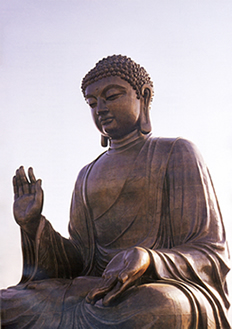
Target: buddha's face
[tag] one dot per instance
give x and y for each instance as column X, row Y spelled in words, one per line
column 114, row 106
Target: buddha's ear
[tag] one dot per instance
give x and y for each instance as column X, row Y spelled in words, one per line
column 146, row 96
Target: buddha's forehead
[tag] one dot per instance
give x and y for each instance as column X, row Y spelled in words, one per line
column 105, row 83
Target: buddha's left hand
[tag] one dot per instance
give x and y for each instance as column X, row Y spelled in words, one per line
column 121, row 273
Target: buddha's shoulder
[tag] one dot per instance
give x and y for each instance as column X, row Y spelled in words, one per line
column 177, row 142
column 178, row 145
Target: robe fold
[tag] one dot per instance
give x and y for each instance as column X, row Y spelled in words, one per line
column 167, row 205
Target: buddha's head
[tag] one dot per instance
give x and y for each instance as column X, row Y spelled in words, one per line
column 119, row 93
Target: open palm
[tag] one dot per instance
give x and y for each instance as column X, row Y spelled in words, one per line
column 121, row 273
column 28, row 202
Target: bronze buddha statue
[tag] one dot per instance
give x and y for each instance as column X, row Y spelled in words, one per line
column 147, row 246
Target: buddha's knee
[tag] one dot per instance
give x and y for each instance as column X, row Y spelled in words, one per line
column 167, row 306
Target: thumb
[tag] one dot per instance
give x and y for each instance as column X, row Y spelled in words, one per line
column 131, row 272
column 123, row 276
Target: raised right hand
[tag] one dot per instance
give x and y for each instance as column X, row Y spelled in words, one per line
column 28, row 204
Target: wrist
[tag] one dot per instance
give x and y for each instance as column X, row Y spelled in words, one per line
column 31, row 227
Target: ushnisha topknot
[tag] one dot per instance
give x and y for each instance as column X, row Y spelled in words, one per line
column 119, row 65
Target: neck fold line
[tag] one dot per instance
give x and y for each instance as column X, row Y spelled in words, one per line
column 127, row 141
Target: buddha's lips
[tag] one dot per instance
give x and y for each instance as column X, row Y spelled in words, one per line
column 105, row 121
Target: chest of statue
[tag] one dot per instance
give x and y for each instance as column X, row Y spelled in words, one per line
column 116, row 193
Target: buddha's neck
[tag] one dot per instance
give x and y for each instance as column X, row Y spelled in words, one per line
column 117, row 145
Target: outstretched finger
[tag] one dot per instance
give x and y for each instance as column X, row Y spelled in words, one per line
column 15, row 187
column 99, row 292
column 19, row 183
column 118, row 290
column 113, row 294
column 24, row 181
column 126, row 279
column 32, row 179
column 31, row 175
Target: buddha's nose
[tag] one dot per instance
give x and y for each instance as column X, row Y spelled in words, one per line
column 101, row 106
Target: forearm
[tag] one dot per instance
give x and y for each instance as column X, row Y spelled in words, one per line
column 49, row 255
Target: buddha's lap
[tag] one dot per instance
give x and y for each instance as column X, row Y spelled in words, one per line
column 153, row 301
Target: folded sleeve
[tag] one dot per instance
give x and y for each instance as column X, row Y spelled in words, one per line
column 192, row 245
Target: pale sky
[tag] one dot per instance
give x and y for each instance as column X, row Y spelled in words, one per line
column 47, row 46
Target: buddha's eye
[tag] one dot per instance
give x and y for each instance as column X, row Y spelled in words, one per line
column 92, row 102
column 93, row 105
column 112, row 97
column 113, row 93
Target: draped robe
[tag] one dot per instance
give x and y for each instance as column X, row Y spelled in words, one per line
column 168, row 206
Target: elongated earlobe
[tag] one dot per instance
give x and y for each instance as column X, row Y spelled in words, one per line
column 145, row 123
column 104, row 141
